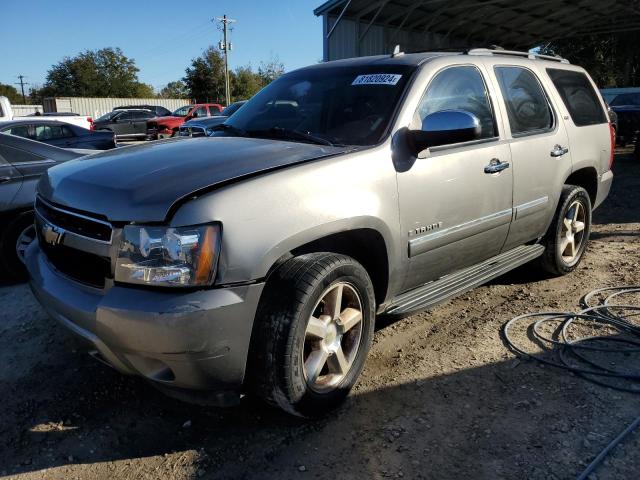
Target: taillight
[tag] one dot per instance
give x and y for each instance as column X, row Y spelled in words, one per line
column 613, row 144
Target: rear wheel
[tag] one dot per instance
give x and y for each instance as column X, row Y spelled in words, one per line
column 313, row 333
column 567, row 237
column 14, row 240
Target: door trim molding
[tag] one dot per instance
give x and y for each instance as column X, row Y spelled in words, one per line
column 432, row 241
column 529, row 208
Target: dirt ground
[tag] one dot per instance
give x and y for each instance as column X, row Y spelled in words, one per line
column 440, row 398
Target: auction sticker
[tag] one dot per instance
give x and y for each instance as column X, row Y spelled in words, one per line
column 377, row 79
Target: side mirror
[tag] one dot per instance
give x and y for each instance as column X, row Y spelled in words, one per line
column 444, row 128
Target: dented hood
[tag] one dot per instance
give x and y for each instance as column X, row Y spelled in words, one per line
column 141, row 183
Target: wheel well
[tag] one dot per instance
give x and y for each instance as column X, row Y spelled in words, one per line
column 586, row 178
column 364, row 245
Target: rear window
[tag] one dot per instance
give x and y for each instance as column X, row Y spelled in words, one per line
column 578, row 96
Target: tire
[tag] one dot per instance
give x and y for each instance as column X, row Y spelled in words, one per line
column 557, row 260
column 9, row 259
column 286, row 348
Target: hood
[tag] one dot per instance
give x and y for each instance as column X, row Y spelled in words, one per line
column 141, row 183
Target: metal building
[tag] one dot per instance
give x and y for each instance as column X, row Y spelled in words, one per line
column 95, row 107
column 354, row 28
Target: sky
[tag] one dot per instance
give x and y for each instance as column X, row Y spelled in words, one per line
column 161, row 36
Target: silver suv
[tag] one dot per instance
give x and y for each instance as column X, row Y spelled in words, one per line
column 257, row 260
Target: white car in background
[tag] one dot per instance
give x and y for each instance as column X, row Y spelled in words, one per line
column 6, row 113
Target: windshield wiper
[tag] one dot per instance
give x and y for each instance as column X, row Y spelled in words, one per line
column 231, row 129
column 286, row 133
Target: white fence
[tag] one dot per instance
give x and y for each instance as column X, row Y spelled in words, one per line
column 96, row 107
column 24, row 110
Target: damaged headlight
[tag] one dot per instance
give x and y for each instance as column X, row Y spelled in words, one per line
column 168, row 256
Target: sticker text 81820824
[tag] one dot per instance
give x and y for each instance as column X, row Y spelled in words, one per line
column 377, row 79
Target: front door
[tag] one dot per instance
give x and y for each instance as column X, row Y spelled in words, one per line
column 454, row 211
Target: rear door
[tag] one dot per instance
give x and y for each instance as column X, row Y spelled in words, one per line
column 10, row 182
column 140, row 122
column 539, row 147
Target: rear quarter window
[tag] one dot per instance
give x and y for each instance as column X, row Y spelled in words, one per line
column 578, row 96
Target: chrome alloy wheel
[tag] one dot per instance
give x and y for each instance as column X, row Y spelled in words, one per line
column 25, row 238
column 572, row 234
column 332, row 337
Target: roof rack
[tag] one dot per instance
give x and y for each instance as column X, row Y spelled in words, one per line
column 530, row 55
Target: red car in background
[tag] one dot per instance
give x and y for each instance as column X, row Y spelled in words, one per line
column 164, row 127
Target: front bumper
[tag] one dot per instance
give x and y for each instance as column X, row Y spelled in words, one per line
column 176, row 339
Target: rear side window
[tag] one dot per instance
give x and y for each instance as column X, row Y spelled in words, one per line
column 578, row 96
column 527, row 106
column 459, row 88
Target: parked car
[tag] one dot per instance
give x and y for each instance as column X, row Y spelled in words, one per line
column 130, row 123
column 200, row 127
column 6, row 113
column 158, row 110
column 627, row 108
column 22, row 161
column 59, row 134
column 257, row 260
column 164, row 127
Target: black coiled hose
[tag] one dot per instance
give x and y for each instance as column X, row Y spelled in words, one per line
column 572, row 352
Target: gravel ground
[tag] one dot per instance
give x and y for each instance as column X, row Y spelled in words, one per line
column 440, row 398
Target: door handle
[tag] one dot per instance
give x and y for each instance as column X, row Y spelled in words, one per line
column 559, row 150
column 496, row 166
column 5, row 179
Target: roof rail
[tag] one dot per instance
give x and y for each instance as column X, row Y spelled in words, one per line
column 530, row 55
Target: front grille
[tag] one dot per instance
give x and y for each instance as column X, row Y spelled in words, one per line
column 53, row 224
column 74, row 223
column 80, row 266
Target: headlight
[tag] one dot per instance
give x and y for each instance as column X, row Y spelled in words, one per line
column 165, row 256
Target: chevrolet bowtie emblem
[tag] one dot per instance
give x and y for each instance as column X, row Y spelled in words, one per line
column 51, row 234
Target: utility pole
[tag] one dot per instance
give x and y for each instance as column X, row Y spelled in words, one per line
column 226, row 46
column 22, row 84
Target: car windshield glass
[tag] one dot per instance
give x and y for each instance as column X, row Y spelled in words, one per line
column 626, row 99
column 348, row 105
column 182, row 111
column 108, row 116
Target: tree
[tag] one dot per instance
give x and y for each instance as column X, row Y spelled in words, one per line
column 95, row 73
column 269, row 71
column 176, row 89
column 612, row 60
column 245, row 83
column 11, row 93
column 204, row 79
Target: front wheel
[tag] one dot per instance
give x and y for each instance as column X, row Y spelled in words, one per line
column 314, row 330
column 568, row 235
column 14, row 240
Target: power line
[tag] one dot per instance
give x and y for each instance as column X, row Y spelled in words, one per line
column 226, row 46
column 22, row 83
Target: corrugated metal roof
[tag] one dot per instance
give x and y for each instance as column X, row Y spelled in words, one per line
column 508, row 23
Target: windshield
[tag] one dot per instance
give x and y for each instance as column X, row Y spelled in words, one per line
column 626, row 99
column 182, row 111
column 108, row 116
column 343, row 105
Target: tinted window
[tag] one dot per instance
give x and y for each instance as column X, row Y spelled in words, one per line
column 351, row 105
column 200, row 112
column 15, row 155
column 142, row 115
column 578, row 96
column 20, row 131
column 527, row 105
column 459, row 88
column 51, row 132
column 125, row 117
column 626, row 99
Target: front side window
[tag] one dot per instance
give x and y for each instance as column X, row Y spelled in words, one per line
column 182, row 111
column 345, row 105
column 25, row 131
column 579, row 97
column 527, row 105
column 459, row 88
column 200, row 112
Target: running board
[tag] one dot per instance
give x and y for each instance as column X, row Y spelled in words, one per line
column 462, row 281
